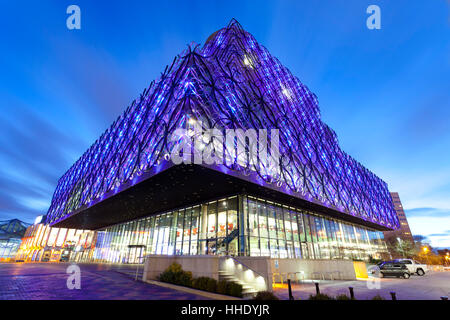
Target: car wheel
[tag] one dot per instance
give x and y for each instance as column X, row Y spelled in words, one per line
column 420, row 272
column 406, row 275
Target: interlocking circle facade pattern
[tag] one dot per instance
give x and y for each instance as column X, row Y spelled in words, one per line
column 231, row 82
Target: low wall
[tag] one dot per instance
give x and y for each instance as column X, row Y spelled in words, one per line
column 200, row 266
column 208, row 266
column 259, row 264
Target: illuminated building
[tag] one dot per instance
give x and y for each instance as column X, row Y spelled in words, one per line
column 404, row 232
column 42, row 243
column 317, row 202
column 11, row 234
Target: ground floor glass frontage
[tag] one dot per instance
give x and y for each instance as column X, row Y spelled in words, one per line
column 284, row 232
column 264, row 228
column 235, row 225
column 209, row 228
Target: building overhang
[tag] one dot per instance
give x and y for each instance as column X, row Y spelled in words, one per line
column 169, row 186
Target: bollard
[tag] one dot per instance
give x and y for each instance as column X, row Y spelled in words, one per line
column 393, row 295
column 444, row 298
column 317, row 288
column 352, row 294
column 291, row 297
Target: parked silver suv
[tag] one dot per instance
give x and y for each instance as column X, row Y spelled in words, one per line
column 413, row 266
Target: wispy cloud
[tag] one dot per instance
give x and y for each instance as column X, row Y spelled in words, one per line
column 33, row 156
column 427, row 212
column 430, row 223
column 439, row 235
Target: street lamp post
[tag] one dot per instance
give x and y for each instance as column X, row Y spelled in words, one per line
column 425, row 251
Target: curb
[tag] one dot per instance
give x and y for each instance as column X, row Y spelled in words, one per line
column 210, row 295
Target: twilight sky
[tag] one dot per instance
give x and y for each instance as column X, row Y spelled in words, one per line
column 385, row 92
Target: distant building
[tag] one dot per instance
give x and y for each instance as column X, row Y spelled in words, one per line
column 11, row 234
column 404, row 232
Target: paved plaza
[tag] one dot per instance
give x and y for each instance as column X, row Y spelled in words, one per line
column 429, row 287
column 48, row 281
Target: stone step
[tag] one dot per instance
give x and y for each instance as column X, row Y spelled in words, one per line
column 248, row 295
column 247, row 290
column 244, row 286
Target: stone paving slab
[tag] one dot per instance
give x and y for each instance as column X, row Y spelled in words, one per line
column 47, row 281
column 429, row 287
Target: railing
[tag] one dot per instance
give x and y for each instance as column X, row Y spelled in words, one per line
column 230, row 237
column 438, row 268
column 139, row 265
column 296, row 276
column 300, row 276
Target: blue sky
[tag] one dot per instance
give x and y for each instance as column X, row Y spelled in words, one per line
column 385, row 92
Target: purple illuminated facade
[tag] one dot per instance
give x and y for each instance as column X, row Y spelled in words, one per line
column 230, row 82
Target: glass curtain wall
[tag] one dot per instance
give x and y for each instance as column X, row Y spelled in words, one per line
column 281, row 231
column 210, row 228
column 42, row 243
column 213, row 228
